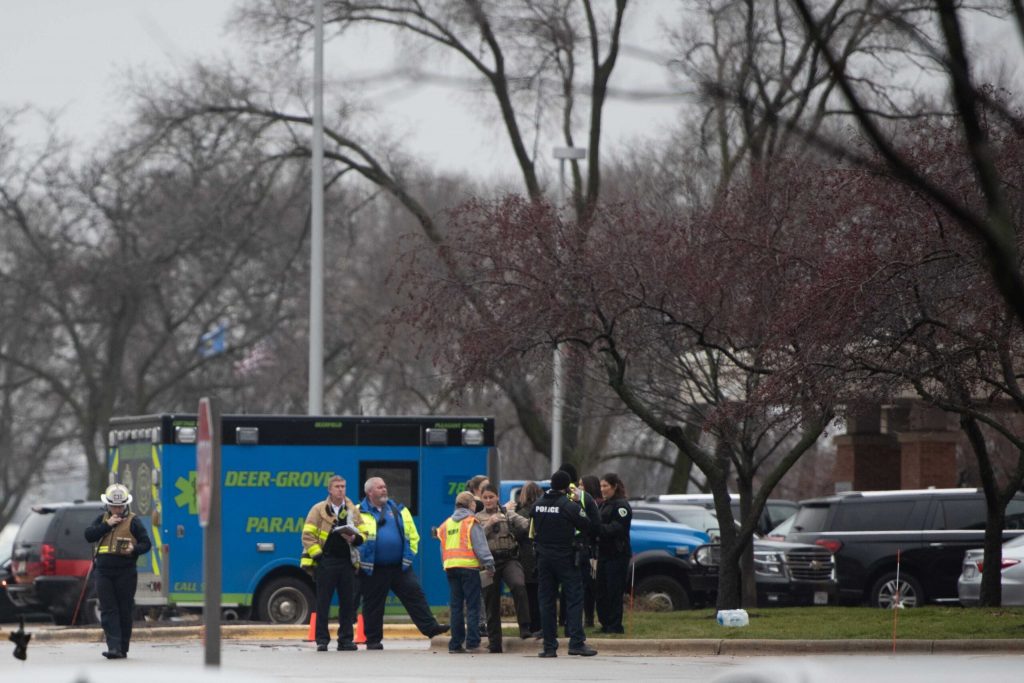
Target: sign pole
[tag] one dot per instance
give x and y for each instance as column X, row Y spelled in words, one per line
column 208, row 498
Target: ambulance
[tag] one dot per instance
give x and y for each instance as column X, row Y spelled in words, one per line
column 274, row 468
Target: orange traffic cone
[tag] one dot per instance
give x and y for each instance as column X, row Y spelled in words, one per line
column 360, row 633
column 311, row 636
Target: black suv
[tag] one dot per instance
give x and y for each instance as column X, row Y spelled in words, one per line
column 50, row 562
column 928, row 529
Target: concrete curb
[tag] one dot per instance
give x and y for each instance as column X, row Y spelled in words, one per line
column 696, row 647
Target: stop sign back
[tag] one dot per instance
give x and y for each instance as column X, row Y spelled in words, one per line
column 204, row 460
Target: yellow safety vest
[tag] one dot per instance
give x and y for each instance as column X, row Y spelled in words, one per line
column 457, row 544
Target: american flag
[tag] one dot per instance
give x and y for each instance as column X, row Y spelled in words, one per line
column 259, row 356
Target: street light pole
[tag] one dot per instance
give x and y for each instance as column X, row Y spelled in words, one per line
column 557, row 389
column 316, row 232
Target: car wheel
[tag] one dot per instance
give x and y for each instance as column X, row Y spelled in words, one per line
column 286, row 601
column 663, row 593
column 887, row 593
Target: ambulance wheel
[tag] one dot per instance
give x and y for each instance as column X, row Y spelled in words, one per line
column 286, row 601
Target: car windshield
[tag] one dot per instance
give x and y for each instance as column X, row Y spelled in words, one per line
column 698, row 519
column 784, row 527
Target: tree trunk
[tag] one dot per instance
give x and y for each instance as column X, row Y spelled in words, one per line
column 681, row 472
column 748, row 582
column 991, row 575
column 991, row 579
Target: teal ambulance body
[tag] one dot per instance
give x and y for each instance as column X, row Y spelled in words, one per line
column 274, row 468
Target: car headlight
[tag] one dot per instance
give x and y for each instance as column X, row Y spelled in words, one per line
column 705, row 556
column 769, row 563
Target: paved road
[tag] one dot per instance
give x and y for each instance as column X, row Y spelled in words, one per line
column 274, row 661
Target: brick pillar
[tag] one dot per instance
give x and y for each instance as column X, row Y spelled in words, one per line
column 928, row 449
column 928, row 459
column 867, row 462
column 866, row 459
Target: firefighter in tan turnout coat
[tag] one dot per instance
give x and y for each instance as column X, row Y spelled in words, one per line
column 329, row 537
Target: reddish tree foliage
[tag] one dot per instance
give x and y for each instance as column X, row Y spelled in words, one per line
column 696, row 321
column 920, row 307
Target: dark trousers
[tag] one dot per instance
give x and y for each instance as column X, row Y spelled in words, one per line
column 588, row 584
column 531, row 597
column 589, row 591
column 335, row 574
column 554, row 570
column 511, row 572
column 407, row 589
column 464, row 602
column 115, row 589
column 612, row 575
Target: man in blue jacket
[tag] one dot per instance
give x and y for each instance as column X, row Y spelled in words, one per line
column 385, row 562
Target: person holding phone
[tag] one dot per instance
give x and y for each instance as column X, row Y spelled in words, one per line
column 120, row 539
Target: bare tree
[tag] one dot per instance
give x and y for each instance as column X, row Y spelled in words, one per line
column 762, row 72
column 686, row 318
column 129, row 260
column 992, row 224
column 523, row 51
column 920, row 308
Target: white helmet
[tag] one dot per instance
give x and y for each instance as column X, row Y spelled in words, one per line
column 116, row 494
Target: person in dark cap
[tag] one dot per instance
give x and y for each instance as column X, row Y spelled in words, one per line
column 586, row 545
column 555, row 520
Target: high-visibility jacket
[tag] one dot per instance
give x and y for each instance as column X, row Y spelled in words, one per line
column 368, row 528
column 457, row 544
column 320, row 521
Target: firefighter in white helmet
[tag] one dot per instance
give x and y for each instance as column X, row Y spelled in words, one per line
column 120, row 539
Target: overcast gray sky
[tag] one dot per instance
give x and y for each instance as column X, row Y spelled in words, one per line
column 70, row 56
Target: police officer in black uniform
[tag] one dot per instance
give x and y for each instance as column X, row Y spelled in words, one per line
column 586, row 546
column 122, row 538
column 555, row 520
column 614, row 553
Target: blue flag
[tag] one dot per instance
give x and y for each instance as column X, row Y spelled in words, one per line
column 213, row 342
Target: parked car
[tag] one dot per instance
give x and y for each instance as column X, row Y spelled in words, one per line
column 1012, row 575
column 662, row 552
column 8, row 610
column 775, row 510
column 662, row 563
column 928, row 530
column 779, row 532
column 50, row 561
column 510, row 488
column 693, row 516
column 786, row 574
